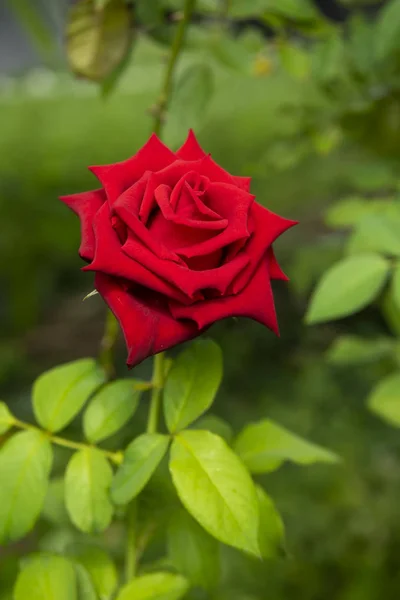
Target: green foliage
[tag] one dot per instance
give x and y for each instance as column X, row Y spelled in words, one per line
column 141, row 459
column 388, row 30
column 192, row 551
column 99, row 36
column 59, row 394
column 347, row 287
column 155, row 586
column 6, row 418
column 98, row 565
column 215, row 488
column 110, row 409
column 353, row 350
column 25, row 463
column 47, row 578
column 264, row 446
column 188, row 391
column 87, row 480
column 385, row 399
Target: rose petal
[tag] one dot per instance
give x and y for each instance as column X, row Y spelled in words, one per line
column 242, row 182
column 232, row 203
column 191, row 149
column 147, row 325
column 255, row 301
column 86, row 205
column 117, row 177
column 191, row 283
column 267, row 227
column 111, row 260
column 274, row 268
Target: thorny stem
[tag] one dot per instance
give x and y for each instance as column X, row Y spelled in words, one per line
column 161, row 106
column 115, row 457
column 158, row 382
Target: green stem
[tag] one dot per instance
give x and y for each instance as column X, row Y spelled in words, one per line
column 130, row 551
column 177, row 44
column 115, row 457
column 155, row 399
column 107, row 344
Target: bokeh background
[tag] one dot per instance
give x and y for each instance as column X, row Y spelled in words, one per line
column 295, row 97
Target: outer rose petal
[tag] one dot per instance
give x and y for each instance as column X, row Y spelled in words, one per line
column 275, row 270
column 86, row 205
column 255, row 302
column 116, row 178
column 191, row 150
column 147, row 325
column 267, row 228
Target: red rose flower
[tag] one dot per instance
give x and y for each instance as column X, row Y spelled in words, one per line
column 177, row 243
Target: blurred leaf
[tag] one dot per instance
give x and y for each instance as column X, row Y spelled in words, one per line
column 109, row 84
column 347, row 287
column 59, row 394
column 85, row 587
column 25, row 463
column 376, row 233
column 302, row 10
column 98, row 37
column 395, row 287
column 387, row 30
column 155, row 586
column 215, row 425
column 110, row 409
column 230, row 53
column 384, row 400
column 265, row 445
column 192, row 551
column 294, row 59
column 271, row 532
column 308, row 265
column 391, row 312
column 87, row 479
column 191, row 95
column 141, row 459
column 99, row 566
column 353, row 350
column 6, row 418
column 329, row 59
column 54, row 509
column 46, row 578
column 326, row 140
column 192, row 383
column 361, row 44
column 215, row 488
column 347, row 212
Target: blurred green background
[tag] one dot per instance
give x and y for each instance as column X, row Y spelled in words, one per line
column 305, row 98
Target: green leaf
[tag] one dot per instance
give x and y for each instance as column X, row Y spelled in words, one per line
column 354, row 350
column 99, row 566
column 155, row 586
column 6, row 418
column 98, row 38
column 271, row 532
column 376, row 233
column 215, row 488
column 192, row 551
column 347, row 287
column 85, row 587
column 294, row 59
column 141, row 459
column 387, row 30
column 215, row 425
column 46, row 578
column 54, row 509
column 110, row 409
column 384, row 400
column 192, row 384
column 87, row 479
column 25, row 463
column 264, row 446
column 191, row 96
column 59, row 394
